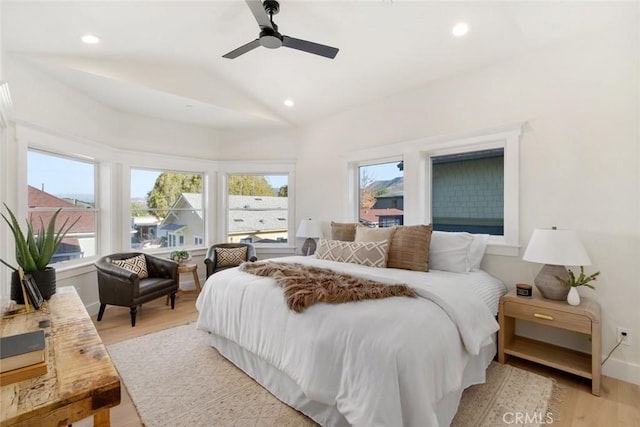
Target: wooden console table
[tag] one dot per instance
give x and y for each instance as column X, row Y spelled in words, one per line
column 80, row 382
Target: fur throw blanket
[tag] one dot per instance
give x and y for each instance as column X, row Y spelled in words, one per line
column 305, row 285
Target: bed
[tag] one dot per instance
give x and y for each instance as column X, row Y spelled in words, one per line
column 384, row 362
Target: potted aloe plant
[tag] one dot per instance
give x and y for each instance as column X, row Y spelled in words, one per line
column 34, row 252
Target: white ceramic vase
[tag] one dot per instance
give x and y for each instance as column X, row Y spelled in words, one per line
column 573, row 298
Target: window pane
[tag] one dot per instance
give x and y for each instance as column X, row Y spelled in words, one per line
column 62, row 182
column 381, row 192
column 166, row 209
column 258, row 209
column 468, row 192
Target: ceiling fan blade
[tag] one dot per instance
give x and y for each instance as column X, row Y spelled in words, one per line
column 242, row 49
column 259, row 13
column 310, row 47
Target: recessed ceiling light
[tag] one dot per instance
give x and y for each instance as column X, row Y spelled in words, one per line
column 460, row 29
column 90, row 39
column 289, row 102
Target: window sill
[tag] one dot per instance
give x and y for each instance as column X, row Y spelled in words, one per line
column 502, row 249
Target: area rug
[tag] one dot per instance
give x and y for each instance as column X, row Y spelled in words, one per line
column 176, row 379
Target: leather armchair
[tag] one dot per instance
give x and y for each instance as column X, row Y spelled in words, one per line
column 122, row 287
column 212, row 263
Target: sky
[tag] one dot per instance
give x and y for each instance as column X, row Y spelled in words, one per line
column 62, row 176
column 382, row 171
column 58, row 175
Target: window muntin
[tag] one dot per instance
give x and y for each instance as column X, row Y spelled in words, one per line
column 67, row 183
column 467, row 192
column 258, row 208
column 167, row 209
column 381, row 194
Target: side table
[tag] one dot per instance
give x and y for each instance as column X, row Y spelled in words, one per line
column 584, row 318
column 188, row 268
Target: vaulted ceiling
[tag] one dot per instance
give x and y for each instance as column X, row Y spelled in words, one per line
column 164, row 59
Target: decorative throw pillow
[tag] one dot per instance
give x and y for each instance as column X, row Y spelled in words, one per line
column 367, row 234
column 409, row 248
column 372, row 254
column 477, row 249
column 230, row 257
column 343, row 231
column 449, row 251
column 137, row 264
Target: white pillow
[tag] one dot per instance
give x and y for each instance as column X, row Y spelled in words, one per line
column 450, row 251
column 476, row 251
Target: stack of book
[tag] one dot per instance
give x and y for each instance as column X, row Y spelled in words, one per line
column 22, row 356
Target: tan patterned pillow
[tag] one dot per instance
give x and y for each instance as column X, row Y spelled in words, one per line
column 409, row 248
column 372, row 254
column 230, row 257
column 137, row 264
column 367, row 234
column 343, row 231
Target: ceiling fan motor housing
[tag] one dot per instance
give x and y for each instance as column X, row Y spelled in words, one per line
column 270, row 38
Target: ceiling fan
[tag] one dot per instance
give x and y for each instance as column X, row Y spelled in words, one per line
column 271, row 38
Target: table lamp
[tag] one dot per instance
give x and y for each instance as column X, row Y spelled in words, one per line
column 555, row 248
column 311, row 230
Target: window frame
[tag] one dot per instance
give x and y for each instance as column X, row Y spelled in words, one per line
column 163, row 164
column 416, row 155
column 48, row 142
column 96, row 198
column 233, row 168
column 356, row 170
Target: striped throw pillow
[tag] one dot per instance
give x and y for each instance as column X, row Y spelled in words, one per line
column 372, row 254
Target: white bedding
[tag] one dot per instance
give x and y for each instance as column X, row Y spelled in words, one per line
column 381, row 362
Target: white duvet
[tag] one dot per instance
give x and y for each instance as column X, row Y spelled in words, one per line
column 382, row 362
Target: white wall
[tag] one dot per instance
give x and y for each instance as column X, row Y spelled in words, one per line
column 579, row 167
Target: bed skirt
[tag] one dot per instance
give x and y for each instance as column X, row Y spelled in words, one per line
column 285, row 389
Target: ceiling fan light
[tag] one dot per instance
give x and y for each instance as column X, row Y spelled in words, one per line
column 460, row 29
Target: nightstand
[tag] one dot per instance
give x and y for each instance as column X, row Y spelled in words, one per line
column 584, row 318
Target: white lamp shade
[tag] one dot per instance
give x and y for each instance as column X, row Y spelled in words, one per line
column 556, row 247
column 309, row 228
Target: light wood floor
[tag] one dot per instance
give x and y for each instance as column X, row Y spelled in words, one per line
column 617, row 406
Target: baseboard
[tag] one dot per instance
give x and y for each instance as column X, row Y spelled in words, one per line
column 92, row 308
column 622, row 370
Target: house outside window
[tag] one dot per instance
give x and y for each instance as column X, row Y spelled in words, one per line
column 258, row 209
column 381, row 194
column 61, row 182
column 166, row 208
column 467, row 192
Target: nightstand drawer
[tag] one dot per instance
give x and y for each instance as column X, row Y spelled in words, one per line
column 548, row 316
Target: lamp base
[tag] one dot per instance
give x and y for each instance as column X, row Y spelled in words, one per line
column 309, row 247
column 549, row 286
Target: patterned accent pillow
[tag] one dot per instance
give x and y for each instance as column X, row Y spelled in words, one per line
column 137, row 264
column 409, row 248
column 366, row 234
column 372, row 254
column 230, row 257
column 343, row 231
